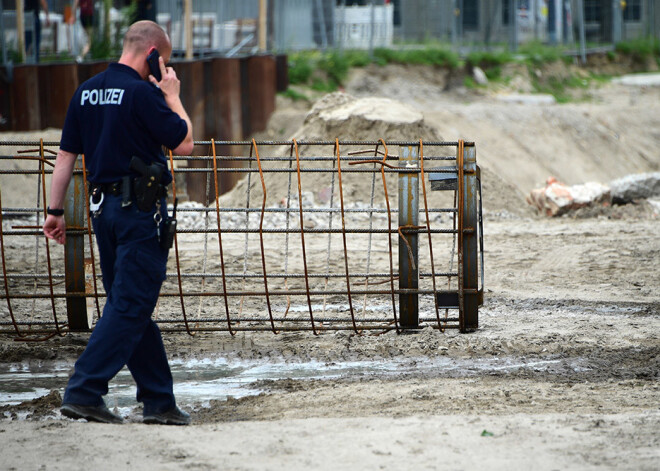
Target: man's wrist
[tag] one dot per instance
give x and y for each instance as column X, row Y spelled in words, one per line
column 55, row 211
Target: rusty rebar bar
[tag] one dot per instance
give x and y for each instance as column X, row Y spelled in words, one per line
column 343, row 235
column 261, row 234
column 302, row 240
column 461, row 198
column 176, row 252
column 91, row 241
column 222, row 255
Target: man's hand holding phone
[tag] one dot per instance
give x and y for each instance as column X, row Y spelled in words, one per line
column 170, row 85
column 163, row 77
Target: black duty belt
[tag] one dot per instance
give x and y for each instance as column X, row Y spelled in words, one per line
column 115, row 188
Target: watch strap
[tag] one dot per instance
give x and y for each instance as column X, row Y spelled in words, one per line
column 54, row 212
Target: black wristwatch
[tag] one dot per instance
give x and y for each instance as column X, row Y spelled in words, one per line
column 54, row 212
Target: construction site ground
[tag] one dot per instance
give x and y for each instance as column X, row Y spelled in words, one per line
column 563, row 372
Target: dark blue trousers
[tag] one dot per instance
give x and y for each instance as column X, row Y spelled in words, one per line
column 133, row 267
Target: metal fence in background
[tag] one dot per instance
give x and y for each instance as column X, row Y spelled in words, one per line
column 231, row 27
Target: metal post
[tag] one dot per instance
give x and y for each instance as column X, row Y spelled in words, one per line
column 513, row 25
column 650, row 14
column 535, row 11
column 323, row 32
column 583, row 40
column 371, row 29
column 408, row 245
column 20, row 28
column 617, row 21
column 454, row 25
column 74, row 251
column 188, row 28
column 459, row 24
column 342, row 27
column 263, row 9
column 470, row 241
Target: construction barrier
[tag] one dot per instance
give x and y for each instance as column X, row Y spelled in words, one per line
column 316, row 236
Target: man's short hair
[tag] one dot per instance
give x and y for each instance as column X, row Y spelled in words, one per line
column 142, row 34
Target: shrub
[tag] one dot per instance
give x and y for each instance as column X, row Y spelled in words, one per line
column 336, row 66
column 357, row 58
column 300, row 68
column 537, row 54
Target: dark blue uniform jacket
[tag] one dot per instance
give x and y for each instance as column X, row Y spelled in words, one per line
column 116, row 115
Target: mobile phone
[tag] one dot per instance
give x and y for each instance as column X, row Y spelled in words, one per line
column 154, row 66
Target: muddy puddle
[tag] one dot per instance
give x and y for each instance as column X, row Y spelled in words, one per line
column 200, row 381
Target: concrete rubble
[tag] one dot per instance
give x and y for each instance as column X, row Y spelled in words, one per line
column 635, row 187
column 479, row 76
column 556, row 198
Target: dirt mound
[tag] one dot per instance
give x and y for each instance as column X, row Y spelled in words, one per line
column 337, row 116
column 618, row 64
column 501, row 198
column 415, row 81
column 340, row 115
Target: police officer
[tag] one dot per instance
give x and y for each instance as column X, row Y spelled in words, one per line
column 121, row 113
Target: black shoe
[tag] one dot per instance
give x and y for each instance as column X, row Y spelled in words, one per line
column 91, row 413
column 174, row 416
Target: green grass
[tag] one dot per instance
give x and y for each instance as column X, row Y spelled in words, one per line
column 489, row 59
column 294, row 95
column 327, row 71
column 469, row 82
column 537, row 54
column 427, row 56
column 56, row 58
column 301, row 67
column 357, row 58
column 335, row 65
column 600, row 79
column 563, row 89
column 639, row 49
column 490, row 62
column 320, row 85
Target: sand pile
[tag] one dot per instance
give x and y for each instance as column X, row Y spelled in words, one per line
column 335, row 116
column 340, row 115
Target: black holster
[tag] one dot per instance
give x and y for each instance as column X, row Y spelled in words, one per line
column 147, row 187
column 168, row 233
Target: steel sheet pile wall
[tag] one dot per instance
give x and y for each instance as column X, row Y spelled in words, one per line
column 314, row 237
column 227, row 98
